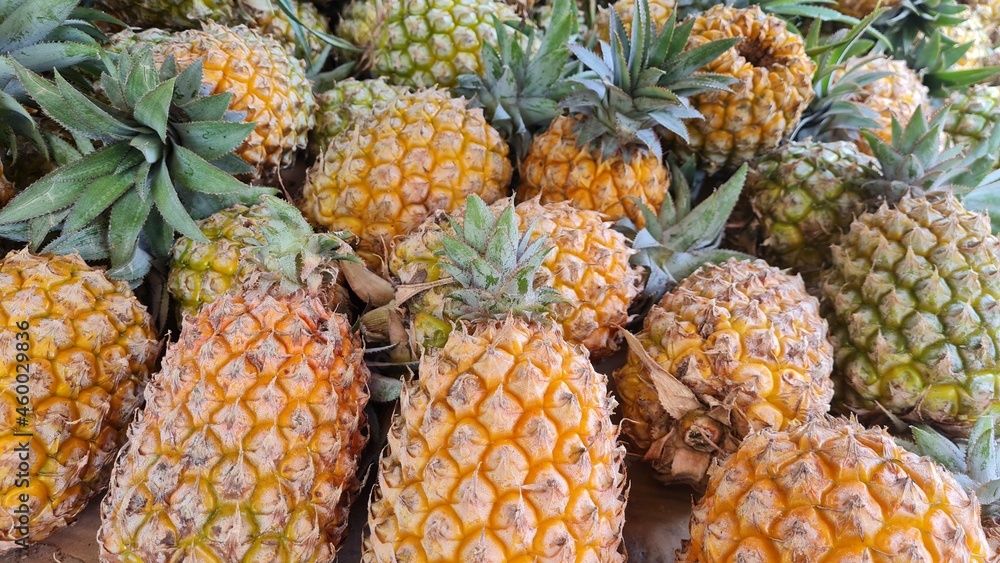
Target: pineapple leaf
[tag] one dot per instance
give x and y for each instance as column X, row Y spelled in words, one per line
column 939, row 448
column 193, row 172
column 60, row 188
column 31, row 21
column 97, row 197
column 63, row 103
column 704, row 225
column 158, row 233
column 213, row 139
column 153, row 109
column 232, row 164
column 188, row 82
column 983, row 461
column 169, row 204
column 141, row 75
column 39, row 58
column 128, row 215
column 87, row 242
column 209, row 108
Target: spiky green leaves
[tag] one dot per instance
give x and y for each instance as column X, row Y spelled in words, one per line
column 520, row 90
column 42, row 35
column 975, row 462
column 915, row 161
column 679, row 240
column 495, row 265
column 167, row 155
column 641, row 81
column 292, row 252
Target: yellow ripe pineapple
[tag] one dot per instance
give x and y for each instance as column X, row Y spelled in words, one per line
column 248, row 447
column 504, row 448
column 423, row 152
column 559, row 169
column 736, row 347
column 588, row 266
column 606, row 155
column 773, row 85
column 79, row 349
column 268, row 86
column 832, row 490
column 897, row 94
column 861, row 8
column 975, row 30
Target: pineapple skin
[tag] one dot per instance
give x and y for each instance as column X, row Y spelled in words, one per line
column 91, row 349
column 740, row 333
column 346, row 103
column 806, row 194
column 268, row 85
column 897, row 95
column 832, row 490
column 503, row 450
column 659, row 12
column 773, row 87
column 972, row 116
column 557, row 169
column 861, row 8
column 248, row 447
column 423, row 43
column 425, row 151
column 913, row 312
column 588, row 265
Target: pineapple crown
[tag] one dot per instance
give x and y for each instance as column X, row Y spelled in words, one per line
column 520, row 88
column 841, row 74
column 291, row 254
column 794, row 12
column 641, row 81
column 167, row 156
column 43, row 35
column 678, row 240
column 495, row 265
column 975, row 462
column 915, row 162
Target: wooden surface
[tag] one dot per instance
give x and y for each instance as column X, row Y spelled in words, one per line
column 657, row 519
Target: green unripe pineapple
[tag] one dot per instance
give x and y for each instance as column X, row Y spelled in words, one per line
column 806, row 194
column 423, row 43
column 972, row 116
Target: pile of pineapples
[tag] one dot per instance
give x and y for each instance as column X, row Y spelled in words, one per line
column 475, row 254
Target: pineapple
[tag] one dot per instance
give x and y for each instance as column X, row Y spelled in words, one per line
column 267, row 86
column 605, row 155
column 975, row 32
column 736, row 347
column 243, row 241
column 910, row 287
column 862, row 8
column 503, row 449
column 264, row 15
column 588, row 266
column 423, row 152
column 972, row 117
column 419, row 43
column 165, row 152
column 659, row 13
column 248, row 447
column 348, row 102
column 773, row 85
column 806, row 194
column 831, row 490
column 88, row 347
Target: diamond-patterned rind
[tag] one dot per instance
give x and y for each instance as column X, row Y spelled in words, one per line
column 503, row 450
column 91, row 348
column 248, row 446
